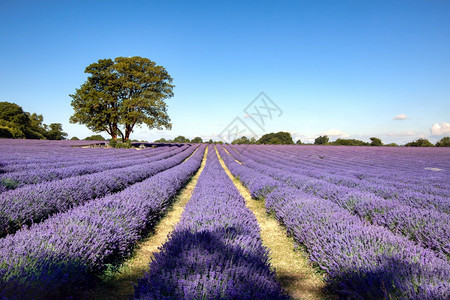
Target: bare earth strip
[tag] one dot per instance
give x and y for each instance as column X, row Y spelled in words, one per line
column 120, row 285
column 293, row 268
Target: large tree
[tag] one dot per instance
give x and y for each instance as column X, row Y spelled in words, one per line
column 122, row 93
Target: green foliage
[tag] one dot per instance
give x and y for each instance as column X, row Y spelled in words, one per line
column 376, row 142
column 419, row 143
column 55, row 132
column 95, row 137
column 197, row 140
column 116, row 144
column 210, row 141
column 392, row 145
column 181, row 139
column 17, row 123
column 444, row 142
column 240, row 141
column 6, row 133
column 74, row 139
column 162, row 140
column 123, row 93
column 321, row 140
column 349, row 142
column 279, row 138
column 298, row 142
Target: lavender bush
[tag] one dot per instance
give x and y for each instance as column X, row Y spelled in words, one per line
column 36, row 202
column 361, row 260
column 215, row 252
column 80, row 167
column 427, row 227
column 61, row 257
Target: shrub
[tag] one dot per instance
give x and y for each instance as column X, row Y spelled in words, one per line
column 419, row 143
column 444, row 142
column 321, row 140
column 95, row 137
column 376, row 142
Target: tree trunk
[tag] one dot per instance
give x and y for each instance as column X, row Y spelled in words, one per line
column 112, row 131
column 128, row 130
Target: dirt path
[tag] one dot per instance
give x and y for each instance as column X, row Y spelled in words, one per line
column 120, row 285
column 293, row 269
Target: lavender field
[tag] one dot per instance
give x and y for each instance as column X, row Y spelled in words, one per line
column 373, row 220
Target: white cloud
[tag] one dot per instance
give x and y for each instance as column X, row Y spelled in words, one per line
column 246, row 116
column 296, row 135
column 335, row 133
column 440, row 129
column 400, row 117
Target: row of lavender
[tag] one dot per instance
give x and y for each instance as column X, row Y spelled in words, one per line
column 49, row 170
column 35, row 151
column 361, row 260
column 380, row 165
column 407, row 186
column 61, row 256
column 428, row 226
column 215, row 252
column 23, row 155
column 34, row 203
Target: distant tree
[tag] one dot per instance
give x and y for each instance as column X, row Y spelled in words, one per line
column 376, row 142
column 241, row 141
column 444, row 142
column 279, row 138
column 298, row 142
column 210, row 141
column 419, row 143
column 17, row 123
column 321, row 140
column 14, row 120
column 349, row 142
column 38, row 126
column 95, row 137
column 74, row 139
column 162, row 140
column 55, row 132
column 392, row 145
column 197, row 140
column 181, row 139
column 123, row 93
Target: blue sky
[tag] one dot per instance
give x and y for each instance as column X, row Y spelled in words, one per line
column 342, row 68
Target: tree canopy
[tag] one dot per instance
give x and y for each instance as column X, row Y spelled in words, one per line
column 240, row 141
column 375, row 142
column 162, row 140
column 181, row 139
column 17, row 123
column 321, row 140
column 279, row 138
column 444, row 142
column 349, row 142
column 197, row 139
column 122, row 93
column 95, row 137
column 419, row 143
